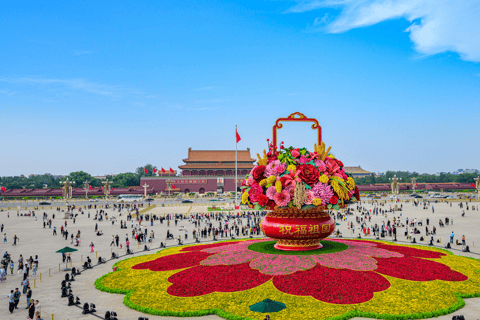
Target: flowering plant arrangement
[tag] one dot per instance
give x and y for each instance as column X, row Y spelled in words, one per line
column 295, row 177
column 354, row 278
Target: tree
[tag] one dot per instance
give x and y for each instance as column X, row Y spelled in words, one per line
column 125, row 180
column 80, row 177
column 140, row 172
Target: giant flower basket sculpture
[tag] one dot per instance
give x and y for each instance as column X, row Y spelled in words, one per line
column 298, row 185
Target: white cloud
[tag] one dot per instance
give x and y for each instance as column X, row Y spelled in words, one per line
column 437, row 26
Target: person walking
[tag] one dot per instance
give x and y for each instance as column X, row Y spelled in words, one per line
column 16, row 297
column 11, row 266
column 11, row 301
column 31, row 309
column 15, row 238
column 451, row 237
column 29, row 296
column 92, row 246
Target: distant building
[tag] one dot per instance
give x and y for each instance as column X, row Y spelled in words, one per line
column 205, row 171
column 357, row 172
column 462, row 171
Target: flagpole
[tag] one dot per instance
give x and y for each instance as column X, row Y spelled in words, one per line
column 236, row 143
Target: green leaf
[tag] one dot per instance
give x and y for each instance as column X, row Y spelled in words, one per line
column 307, row 187
column 336, row 207
column 329, row 206
column 257, row 206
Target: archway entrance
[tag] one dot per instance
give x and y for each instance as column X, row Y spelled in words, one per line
column 220, row 190
column 201, row 191
column 187, row 191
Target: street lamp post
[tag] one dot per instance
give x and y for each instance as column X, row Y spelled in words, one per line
column 86, row 187
column 106, row 189
column 169, row 186
column 145, row 186
column 477, row 186
column 395, row 188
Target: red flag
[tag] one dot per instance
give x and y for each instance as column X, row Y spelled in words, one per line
column 154, row 170
column 103, row 188
column 163, row 170
column 90, row 187
column 173, row 186
column 4, row 189
column 145, row 169
column 473, row 185
column 238, row 136
column 237, row 207
column 171, row 170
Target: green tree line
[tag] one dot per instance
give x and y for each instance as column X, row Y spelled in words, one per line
column 407, row 176
column 120, row 180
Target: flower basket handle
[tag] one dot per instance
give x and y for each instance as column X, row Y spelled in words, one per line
column 297, row 116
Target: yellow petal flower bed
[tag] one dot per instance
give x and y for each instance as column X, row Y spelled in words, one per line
column 146, row 291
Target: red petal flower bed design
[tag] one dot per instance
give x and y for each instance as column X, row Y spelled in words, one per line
column 347, row 277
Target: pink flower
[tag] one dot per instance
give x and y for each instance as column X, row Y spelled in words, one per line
column 280, row 169
column 250, row 180
column 309, row 198
column 302, row 160
column 295, row 153
column 320, row 165
column 291, row 189
column 254, row 191
column 281, row 199
column 271, row 191
column 273, row 170
column 323, row 192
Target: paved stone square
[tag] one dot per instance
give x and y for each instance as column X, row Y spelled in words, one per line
column 35, row 240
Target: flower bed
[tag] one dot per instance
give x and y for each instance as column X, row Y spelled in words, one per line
column 347, row 278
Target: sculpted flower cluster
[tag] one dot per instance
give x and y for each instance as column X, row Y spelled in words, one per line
column 272, row 183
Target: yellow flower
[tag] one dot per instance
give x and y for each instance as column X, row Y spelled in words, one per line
column 323, row 178
column 350, row 183
column 245, row 198
column 278, row 186
column 316, row 202
column 340, row 190
column 292, row 168
column 271, row 179
column 263, row 182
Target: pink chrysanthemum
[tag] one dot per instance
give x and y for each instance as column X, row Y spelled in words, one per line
column 281, row 199
column 322, row 191
column 271, row 191
column 309, row 198
column 273, row 170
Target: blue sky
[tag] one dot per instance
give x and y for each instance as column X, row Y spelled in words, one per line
column 106, row 87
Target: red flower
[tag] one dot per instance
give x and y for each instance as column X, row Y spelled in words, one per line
column 357, row 193
column 262, row 200
column 255, row 191
column 257, row 172
column 340, row 163
column 334, row 200
column 341, row 286
column 308, row 173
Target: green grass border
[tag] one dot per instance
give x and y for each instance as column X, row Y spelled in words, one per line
column 346, row 316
